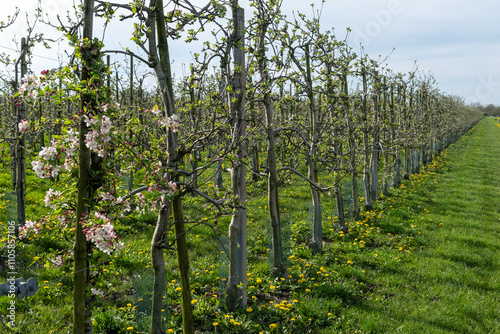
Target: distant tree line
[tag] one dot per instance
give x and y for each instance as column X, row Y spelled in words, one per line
column 489, row 110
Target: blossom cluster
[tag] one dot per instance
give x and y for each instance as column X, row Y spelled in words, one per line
column 48, row 163
column 170, row 122
column 28, row 227
column 30, row 87
column 169, row 192
column 47, row 166
column 97, row 292
column 166, row 121
column 145, row 205
column 58, row 261
column 50, row 196
column 109, row 202
column 66, row 218
column 23, row 126
column 71, row 147
column 99, row 137
column 105, row 106
column 102, row 235
column 99, row 231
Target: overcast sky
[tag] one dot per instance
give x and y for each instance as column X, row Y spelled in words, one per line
column 456, row 41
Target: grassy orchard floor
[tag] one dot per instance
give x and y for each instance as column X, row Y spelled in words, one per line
column 426, row 260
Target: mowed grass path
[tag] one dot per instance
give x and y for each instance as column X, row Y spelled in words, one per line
column 451, row 283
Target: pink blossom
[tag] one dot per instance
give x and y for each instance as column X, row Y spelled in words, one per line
column 156, row 111
column 173, row 185
column 23, row 126
column 102, row 235
column 170, row 122
column 97, row 292
column 50, row 196
column 58, row 261
column 97, row 139
column 29, row 226
column 47, row 166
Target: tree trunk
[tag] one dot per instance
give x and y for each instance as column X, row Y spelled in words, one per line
column 316, row 242
column 81, row 313
column 158, row 263
column 278, row 266
column 164, row 75
column 183, row 262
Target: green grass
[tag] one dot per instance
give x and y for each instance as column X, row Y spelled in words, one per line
column 426, row 260
column 451, row 284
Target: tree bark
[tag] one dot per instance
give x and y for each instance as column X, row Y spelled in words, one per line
column 159, row 53
column 183, row 262
column 278, row 266
column 81, row 313
column 316, row 242
column 158, row 263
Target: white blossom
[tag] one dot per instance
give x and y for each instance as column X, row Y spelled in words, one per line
column 23, row 126
column 50, row 195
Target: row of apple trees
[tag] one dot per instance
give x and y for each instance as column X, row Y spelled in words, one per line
column 265, row 81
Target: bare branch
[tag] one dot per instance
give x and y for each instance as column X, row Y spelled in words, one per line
column 314, row 184
column 10, row 20
column 277, row 131
column 133, row 192
column 129, row 53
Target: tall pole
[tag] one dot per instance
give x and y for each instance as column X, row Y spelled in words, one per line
column 21, row 150
column 131, row 101
column 235, row 291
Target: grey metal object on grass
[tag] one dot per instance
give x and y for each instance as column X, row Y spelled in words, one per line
column 19, row 287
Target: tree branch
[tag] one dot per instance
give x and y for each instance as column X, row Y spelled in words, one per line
column 314, row 184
